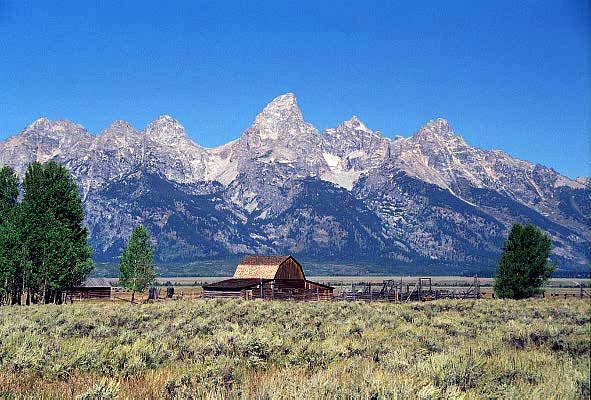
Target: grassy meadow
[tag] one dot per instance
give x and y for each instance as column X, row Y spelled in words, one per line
column 187, row 349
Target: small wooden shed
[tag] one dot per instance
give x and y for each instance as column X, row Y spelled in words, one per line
column 269, row 277
column 92, row 288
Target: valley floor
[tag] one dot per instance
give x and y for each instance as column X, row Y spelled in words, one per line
column 260, row 349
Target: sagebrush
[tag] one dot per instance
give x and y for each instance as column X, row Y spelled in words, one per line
column 263, row 349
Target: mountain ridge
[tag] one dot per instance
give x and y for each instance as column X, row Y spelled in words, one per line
column 265, row 178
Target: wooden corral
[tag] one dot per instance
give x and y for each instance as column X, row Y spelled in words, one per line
column 269, row 277
column 91, row 288
column 422, row 290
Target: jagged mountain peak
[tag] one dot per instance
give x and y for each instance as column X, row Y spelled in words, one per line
column 355, row 123
column 165, row 119
column 352, row 129
column 280, row 121
column 120, row 124
column 439, row 127
column 281, row 108
column 118, row 130
column 45, row 124
column 166, row 130
column 285, row 101
column 39, row 123
column 43, row 140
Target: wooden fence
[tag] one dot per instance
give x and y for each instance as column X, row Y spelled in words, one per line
column 394, row 291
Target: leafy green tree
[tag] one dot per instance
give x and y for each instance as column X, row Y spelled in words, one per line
column 136, row 267
column 12, row 260
column 524, row 265
column 10, row 239
column 8, row 192
column 56, row 241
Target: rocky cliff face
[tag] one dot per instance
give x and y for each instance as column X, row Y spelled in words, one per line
column 282, row 187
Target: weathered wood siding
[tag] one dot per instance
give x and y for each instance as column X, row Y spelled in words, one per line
column 290, row 269
column 212, row 294
column 90, row 293
column 291, row 290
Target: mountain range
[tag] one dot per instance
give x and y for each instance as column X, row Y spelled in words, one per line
column 347, row 194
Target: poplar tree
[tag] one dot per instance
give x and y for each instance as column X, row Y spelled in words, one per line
column 8, row 192
column 524, row 265
column 136, row 266
column 11, row 258
column 56, row 240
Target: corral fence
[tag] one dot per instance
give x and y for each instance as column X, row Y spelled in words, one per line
column 398, row 291
column 423, row 289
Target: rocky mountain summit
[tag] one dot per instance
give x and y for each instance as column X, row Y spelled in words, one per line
column 347, row 193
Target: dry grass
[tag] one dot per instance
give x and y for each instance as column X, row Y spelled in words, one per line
column 259, row 349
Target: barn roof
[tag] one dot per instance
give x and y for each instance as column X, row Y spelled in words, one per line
column 264, row 267
column 234, row 284
column 95, row 282
column 263, row 260
column 320, row 284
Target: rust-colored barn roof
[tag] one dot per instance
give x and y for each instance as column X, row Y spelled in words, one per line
column 260, row 267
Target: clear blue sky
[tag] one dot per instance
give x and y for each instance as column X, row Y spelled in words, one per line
column 507, row 75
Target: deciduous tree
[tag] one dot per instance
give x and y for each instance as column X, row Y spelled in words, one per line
column 11, row 260
column 136, row 267
column 56, row 239
column 8, row 192
column 524, row 264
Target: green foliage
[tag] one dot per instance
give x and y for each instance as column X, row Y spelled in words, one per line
column 136, row 267
column 10, row 238
column 524, row 265
column 8, row 192
column 13, row 262
column 56, row 238
column 43, row 241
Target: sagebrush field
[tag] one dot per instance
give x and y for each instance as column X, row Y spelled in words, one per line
column 260, row 349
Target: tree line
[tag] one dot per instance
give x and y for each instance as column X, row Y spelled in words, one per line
column 44, row 247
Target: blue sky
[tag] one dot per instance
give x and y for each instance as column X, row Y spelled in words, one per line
column 507, row 76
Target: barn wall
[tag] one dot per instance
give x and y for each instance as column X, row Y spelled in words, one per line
column 213, row 294
column 293, row 289
column 290, row 269
column 90, row 293
column 323, row 292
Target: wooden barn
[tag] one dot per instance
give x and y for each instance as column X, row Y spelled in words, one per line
column 269, row 277
column 91, row 288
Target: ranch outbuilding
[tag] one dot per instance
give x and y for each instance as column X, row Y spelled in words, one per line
column 91, row 288
column 269, row 277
